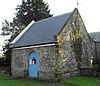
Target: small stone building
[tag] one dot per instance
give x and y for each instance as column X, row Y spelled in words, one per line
column 52, row 48
column 96, row 43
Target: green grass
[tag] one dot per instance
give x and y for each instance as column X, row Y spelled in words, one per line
column 82, row 81
column 76, row 81
column 7, row 81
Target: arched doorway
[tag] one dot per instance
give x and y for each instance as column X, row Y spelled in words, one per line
column 33, row 64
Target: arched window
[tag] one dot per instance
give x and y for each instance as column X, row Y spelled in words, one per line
column 33, row 60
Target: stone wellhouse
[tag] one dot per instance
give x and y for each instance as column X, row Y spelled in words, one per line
column 52, row 49
column 96, row 50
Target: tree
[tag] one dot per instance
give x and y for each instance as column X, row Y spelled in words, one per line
column 31, row 10
column 26, row 12
column 8, row 28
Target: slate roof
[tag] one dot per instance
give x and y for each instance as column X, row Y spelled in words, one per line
column 41, row 32
column 95, row 36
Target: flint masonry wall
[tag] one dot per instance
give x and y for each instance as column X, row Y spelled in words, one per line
column 65, row 41
column 74, row 51
column 47, row 61
column 97, row 50
column 75, row 47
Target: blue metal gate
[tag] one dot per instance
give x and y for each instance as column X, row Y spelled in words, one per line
column 33, row 64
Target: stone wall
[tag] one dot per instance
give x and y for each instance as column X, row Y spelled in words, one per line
column 47, row 61
column 75, row 46
column 89, row 72
column 65, row 41
column 74, row 51
column 97, row 52
column 87, row 47
column 94, row 52
column 87, row 52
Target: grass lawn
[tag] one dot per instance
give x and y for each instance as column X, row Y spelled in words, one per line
column 6, row 81
column 83, row 81
column 76, row 81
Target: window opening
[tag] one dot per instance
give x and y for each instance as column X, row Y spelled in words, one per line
column 33, row 60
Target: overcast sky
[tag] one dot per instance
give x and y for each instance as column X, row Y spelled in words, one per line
column 89, row 10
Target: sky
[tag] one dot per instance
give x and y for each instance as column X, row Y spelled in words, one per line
column 89, row 10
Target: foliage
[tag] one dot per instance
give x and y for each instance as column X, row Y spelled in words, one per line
column 1, row 61
column 8, row 28
column 7, row 53
column 31, row 10
column 58, row 72
column 96, row 67
column 77, row 48
column 83, row 81
column 26, row 12
column 77, row 42
column 96, row 63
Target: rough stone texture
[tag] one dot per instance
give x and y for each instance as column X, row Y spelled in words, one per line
column 69, row 63
column 63, row 53
column 94, row 52
column 71, row 74
column 89, row 72
column 47, row 61
column 87, row 52
column 97, row 50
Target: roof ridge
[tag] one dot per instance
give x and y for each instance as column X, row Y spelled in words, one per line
column 46, row 21
column 52, row 17
column 33, row 22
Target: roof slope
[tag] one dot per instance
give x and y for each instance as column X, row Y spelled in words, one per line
column 41, row 32
column 95, row 36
